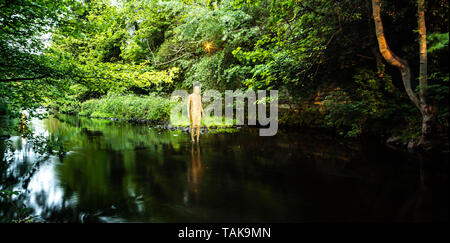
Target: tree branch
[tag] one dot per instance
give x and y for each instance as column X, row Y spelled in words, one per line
column 23, row 79
column 173, row 60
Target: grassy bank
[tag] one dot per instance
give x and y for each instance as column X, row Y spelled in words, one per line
column 338, row 113
column 149, row 108
column 128, row 107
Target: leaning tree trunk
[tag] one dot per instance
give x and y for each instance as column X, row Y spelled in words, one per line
column 390, row 56
column 428, row 111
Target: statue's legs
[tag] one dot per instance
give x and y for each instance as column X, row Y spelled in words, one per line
column 192, row 132
column 198, row 132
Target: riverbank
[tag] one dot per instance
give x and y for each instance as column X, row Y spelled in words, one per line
column 149, row 109
column 155, row 110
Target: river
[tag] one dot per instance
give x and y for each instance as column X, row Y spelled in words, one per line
column 121, row 172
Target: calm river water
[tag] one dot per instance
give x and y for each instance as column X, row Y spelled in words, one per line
column 120, row 172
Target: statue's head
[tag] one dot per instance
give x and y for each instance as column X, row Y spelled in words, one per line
column 196, row 89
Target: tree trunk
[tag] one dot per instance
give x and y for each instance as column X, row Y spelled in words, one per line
column 390, row 56
column 374, row 45
column 426, row 107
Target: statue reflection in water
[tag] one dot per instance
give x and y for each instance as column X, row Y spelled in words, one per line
column 194, row 171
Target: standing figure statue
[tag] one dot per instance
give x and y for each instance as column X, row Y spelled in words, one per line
column 195, row 111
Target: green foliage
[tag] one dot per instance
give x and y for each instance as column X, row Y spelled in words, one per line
column 129, row 77
column 111, row 47
column 438, row 41
column 70, row 102
column 69, row 106
column 130, row 107
column 349, row 111
column 74, row 51
column 208, row 71
column 438, row 90
column 21, row 214
column 292, row 42
column 209, row 121
column 25, row 66
column 224, row 25
column 226, row 28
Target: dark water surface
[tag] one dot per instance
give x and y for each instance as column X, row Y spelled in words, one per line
column 119, row 172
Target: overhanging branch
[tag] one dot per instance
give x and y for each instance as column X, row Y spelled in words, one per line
column 22, row 79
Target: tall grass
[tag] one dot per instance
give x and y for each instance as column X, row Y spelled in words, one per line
column 150, row 108
column 128, row 107
column 209, row 121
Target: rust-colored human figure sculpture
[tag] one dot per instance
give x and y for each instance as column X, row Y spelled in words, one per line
column 195, row 111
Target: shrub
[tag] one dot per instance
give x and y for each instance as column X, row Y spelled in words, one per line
column 128, row 107
column 349, row 111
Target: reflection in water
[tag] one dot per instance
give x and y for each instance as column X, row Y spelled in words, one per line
column 426, row 194
column 411, row 209
column 23, row 125
column 195, row 170
column 118, row 172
